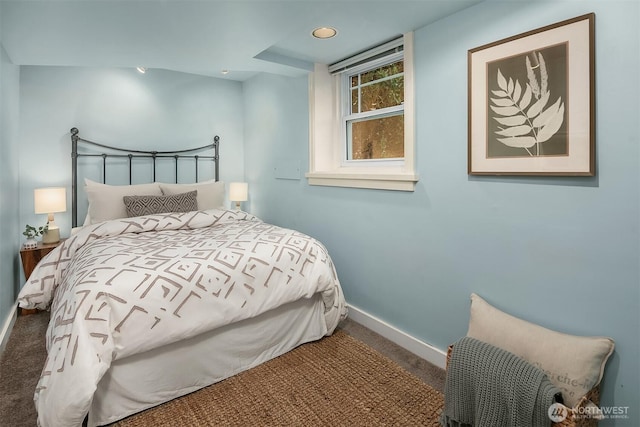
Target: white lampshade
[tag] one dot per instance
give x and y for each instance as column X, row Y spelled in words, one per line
column 238, row 191
column 50, row 200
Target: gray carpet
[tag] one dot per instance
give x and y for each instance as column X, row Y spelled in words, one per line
column 24, row 356
column 20, row 366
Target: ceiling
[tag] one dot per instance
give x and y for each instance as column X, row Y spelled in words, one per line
column 205, row 37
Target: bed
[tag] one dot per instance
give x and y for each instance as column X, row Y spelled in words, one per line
column 147, row 306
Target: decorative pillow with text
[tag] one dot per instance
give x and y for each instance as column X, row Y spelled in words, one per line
column 575, row 364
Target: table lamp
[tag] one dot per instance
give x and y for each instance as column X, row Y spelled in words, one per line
column 49, row 201
column 238, row 192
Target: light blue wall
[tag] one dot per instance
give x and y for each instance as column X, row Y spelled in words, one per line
column 9, row 181
column 562, row 252
column 276, row 137
column 160, row 109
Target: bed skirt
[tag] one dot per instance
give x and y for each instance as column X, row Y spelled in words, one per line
column 145, row 380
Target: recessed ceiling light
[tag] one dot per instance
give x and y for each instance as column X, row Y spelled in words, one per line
column 324, row 32
column 225, row 72
column 141, row 70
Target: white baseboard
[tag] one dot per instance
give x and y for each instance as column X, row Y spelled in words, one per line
column 404, row 340
column 8, row 326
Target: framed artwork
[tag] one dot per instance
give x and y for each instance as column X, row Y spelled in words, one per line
column 531, row 102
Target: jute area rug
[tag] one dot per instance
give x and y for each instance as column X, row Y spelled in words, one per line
column 337, row 381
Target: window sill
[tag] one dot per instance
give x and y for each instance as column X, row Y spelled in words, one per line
column 398, row 182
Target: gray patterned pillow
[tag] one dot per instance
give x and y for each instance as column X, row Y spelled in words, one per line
column 149, row 205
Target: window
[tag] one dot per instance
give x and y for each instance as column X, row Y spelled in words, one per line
column 374, row 118
column 361, row 120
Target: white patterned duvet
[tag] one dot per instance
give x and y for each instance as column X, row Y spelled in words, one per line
column 129, row 286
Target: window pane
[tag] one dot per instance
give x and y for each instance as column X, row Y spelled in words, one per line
column 382, row 72
column 354, row 101
column 379, row 138
column 387, row 93
column 354, row 81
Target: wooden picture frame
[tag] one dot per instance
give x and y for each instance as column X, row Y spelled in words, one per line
column 531, row 102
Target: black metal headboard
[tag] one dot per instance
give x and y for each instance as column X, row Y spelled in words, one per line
column 130, row 154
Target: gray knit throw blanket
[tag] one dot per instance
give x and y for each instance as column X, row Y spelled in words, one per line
column 489, row 386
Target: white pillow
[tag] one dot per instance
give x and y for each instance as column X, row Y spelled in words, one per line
column 106, row 203
column 210, row 193
column 573, row 363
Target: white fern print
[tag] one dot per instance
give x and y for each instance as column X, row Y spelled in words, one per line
column 524, row 120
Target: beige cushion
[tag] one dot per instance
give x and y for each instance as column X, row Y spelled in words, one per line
column 150, row 205
column 575, row 364
column 210, row 193
column 106, row 203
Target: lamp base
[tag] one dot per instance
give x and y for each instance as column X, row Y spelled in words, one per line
column 51, row 236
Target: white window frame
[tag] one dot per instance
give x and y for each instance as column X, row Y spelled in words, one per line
column 327, row 136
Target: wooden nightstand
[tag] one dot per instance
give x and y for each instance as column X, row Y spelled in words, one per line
column 31, row 258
